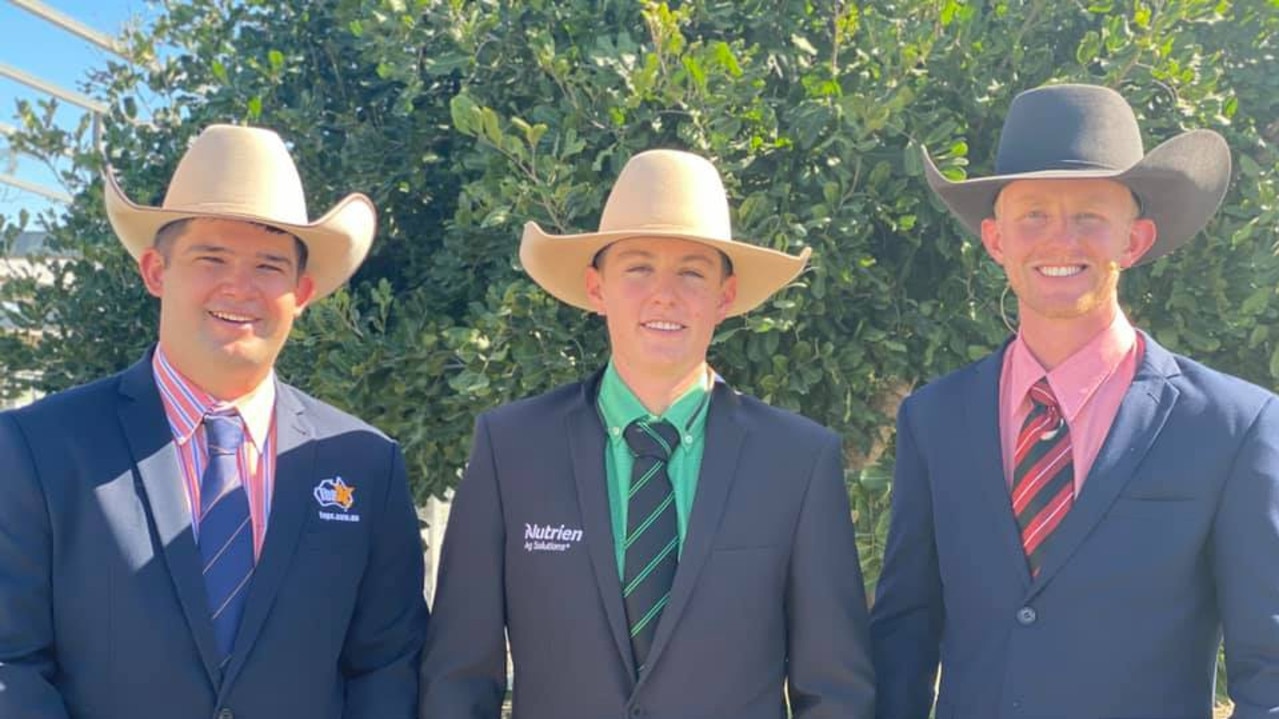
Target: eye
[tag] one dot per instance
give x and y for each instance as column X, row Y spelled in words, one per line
column 638, row 269
column 693, row 273
column 209, row 259
column 277, row 269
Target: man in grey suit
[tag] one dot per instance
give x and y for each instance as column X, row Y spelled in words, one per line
column 653, row 543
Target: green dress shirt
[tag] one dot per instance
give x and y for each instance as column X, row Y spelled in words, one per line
column 619, row 407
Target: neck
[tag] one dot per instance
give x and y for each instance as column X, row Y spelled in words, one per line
column 1053, row 340
column 221, row 384
column 658, row 393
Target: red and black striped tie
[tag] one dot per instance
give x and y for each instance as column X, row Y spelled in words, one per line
column 1043, row 475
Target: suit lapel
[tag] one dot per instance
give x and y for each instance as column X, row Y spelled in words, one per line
column 1141, row 416
column 723, row 445
column 151, row 443
column 985, row 457
column 585, row 435
column 294, row 475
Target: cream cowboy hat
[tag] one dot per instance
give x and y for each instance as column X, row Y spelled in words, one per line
column 245, row 173
column 1087, row 131
column 660, row 193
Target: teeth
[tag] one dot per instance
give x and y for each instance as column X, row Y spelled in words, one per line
column 664, row 326
column 230, row 317
column 1061, row 270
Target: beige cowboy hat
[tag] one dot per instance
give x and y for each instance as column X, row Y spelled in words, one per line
column 660, row 193
column 1087, row 131
column 245, row 173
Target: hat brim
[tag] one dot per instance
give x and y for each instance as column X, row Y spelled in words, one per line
column 558, row 263
column 1181, row 184
column 336, row 243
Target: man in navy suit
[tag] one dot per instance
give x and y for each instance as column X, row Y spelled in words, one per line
column 1079, row 518
column 192, row 537
column 652, row 543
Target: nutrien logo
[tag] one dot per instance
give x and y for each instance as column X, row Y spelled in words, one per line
column 549, row 538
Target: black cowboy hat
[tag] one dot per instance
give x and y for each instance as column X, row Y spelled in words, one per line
column 1087, row 131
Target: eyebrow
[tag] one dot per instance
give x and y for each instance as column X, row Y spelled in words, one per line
column 647, row 255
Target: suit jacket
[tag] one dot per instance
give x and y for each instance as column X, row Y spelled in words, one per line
column 102, row 606
column 768, row 589
column 1174, row 536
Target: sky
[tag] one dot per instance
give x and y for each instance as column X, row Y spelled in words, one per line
column 38, row 47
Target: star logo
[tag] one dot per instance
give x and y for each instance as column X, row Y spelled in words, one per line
column 335, row 493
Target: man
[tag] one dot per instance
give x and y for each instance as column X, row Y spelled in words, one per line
column 192, row 537
column 1077, row 517
column 710, row 570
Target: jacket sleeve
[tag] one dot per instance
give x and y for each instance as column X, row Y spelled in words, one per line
column 384, row 641
column 28, row 656
column 828, row 655
column 464, row 664
column 1245, row 543
column 906, row 619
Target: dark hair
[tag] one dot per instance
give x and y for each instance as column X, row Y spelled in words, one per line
column 168, row 234
column 597, row 261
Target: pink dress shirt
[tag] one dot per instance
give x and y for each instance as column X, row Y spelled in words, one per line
column 185, row 405
column 1090, row 385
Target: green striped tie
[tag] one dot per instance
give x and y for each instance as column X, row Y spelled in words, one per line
column 652, row 534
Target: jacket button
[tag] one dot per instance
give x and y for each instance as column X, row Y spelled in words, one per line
column 637, row 711
column 225, row 713
column 1027, row 616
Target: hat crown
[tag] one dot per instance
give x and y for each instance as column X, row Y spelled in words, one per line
column 1068, row 127
column 668, row 190
column 238, row 170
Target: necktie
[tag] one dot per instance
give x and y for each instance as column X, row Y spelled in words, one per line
column 1043, row 476
column 652, row 534
column 225, row 533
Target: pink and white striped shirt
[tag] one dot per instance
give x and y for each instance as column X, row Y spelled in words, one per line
column 185, row 406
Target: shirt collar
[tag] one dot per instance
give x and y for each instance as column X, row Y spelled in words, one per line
column 1074, row 381
column 619, row 406
column 186, row 404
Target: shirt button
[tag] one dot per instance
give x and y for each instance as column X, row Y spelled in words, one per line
column 1027, row 616
column 688, row 439
column 615, row 431
column 226, row 714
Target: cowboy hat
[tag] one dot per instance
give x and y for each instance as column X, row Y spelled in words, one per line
column 1087, row 131
column 660, row 193
column 245, row 173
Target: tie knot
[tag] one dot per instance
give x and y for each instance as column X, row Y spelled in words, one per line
column 1042, row 395
column 225, row 433
column 656, row 439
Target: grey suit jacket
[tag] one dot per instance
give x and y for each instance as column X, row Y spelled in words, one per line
column 768, row 593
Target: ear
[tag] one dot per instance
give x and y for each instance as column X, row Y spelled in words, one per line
column 991, row 240
column 303, row 293
column 151, row 267
column 727, row 295
column 1141, row 237
column 595, row 289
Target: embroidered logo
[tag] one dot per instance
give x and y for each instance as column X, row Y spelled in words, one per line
column 549, row 538
column 336, row 492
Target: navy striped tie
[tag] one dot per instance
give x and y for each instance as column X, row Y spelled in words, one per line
column 652, row 533
column 225, row 532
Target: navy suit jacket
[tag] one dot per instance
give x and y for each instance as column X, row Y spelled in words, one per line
column 102, row 606
column 1174, row 536
column 768, row 591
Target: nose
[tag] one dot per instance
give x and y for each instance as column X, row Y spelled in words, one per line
column 239, row 280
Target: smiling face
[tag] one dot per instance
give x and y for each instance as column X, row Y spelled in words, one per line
column 1062, row 244
column 662, row 299
column 229, row 292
